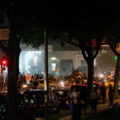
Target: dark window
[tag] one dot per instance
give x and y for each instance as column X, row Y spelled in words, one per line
column 66, row 67
column 83, row 63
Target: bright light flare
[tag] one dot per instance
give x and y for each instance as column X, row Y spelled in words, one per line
column 53, row 58
column 101, row 75
column 24, row 85
column 62, row 84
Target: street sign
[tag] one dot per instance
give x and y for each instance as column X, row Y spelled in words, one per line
column 4, row 33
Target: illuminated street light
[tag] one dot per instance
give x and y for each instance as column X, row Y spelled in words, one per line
column 118, row 48
column 101, row 75
column 62, row 84
column 53, row 58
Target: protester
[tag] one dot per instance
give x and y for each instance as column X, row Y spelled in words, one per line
column 76, row 105
column 110, row 93
column 35, row 83
column 103, row 93
column 28, row 77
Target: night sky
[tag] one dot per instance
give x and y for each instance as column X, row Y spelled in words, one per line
column 75, row 12
column 61, row 12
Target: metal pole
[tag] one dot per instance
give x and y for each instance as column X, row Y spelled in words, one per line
column 2, row 75
column 46, row 83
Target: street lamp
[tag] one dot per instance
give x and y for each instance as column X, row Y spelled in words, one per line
column 118, row 48
column 101, row 75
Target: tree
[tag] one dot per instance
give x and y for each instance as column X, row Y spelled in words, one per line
column 113, row 39
column 89, row 43
column 21, row 21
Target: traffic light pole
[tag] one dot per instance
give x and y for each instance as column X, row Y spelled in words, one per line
column 2, row 69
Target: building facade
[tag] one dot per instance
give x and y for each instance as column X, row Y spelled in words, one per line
column 60, row 63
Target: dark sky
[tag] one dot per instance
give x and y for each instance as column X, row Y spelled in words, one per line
column 75, row 12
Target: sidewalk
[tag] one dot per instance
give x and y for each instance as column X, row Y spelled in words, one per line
column 101, row 108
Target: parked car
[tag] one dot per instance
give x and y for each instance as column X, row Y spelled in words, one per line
column 26, row 86
column 62, row 96
column 52, row 84
column 3, row 106
column 37, row 99
column 81, row 88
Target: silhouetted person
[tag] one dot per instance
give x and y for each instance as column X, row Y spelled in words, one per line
column 110, row 93
column 76, row 105
column 35, row 83
column 103, row 93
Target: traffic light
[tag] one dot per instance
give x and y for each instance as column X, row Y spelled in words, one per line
column 115, row 58
column 94, row 42
column 4, row 61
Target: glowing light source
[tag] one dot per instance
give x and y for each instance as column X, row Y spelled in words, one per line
column 35, row 60
column 94, row 42
column 53, row 66
column 24, row 85
column 118, row 47
column 4, row 62
column 53, row 58
column 62, row 84
column 101, row 75
column 115, row 58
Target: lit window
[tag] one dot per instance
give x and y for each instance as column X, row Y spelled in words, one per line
column 53, row 66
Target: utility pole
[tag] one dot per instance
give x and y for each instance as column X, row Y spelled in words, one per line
column 46, row 82
column 1, row 77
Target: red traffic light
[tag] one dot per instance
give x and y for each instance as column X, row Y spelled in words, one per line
column 4, row 62
column 93, row 42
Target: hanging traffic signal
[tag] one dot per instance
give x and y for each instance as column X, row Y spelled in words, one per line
column 94, row 42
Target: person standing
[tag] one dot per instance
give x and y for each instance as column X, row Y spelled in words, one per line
column 103, row 93
column 28, row 77
column 110, row 93
column 76, row 105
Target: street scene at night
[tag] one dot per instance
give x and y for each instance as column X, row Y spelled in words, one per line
column 59, row 60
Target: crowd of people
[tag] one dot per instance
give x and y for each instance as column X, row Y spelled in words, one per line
column 78, row 104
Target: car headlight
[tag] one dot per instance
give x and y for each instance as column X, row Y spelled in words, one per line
column 62, row 84
column 24, row 85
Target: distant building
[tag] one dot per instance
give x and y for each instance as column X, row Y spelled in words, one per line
column 59, row 62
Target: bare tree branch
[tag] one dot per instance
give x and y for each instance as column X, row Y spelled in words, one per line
column 84, row 55
column 71, row 43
